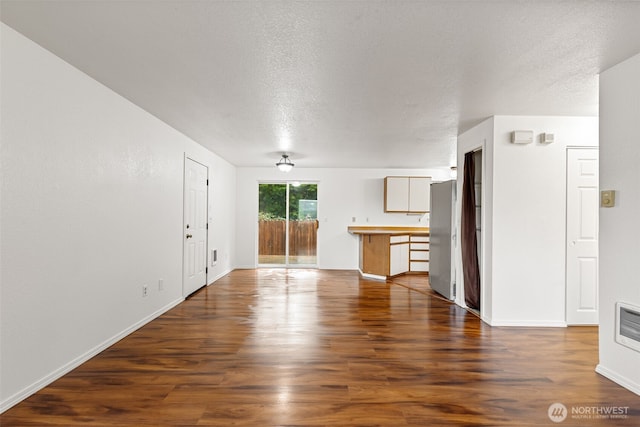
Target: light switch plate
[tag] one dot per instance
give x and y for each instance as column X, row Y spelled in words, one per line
column 608, row 198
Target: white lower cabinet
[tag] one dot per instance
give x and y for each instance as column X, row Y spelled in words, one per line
column 399, row 262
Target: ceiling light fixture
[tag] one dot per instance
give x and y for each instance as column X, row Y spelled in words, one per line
column 285, row 164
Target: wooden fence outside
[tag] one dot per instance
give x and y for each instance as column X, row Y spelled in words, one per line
column 302, row 237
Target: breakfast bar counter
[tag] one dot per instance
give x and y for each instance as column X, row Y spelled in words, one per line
column 387, row 251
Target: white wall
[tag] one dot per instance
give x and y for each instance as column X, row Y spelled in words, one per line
column 342, row 195
column 91, row 210
column 619, row 232
column 525, row 189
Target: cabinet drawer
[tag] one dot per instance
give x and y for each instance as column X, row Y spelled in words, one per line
column 420, row 246
column 399, row 239
column 419, row 255
column 419, row 266
column 420, row 238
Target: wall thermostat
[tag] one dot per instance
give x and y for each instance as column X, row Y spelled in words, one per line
column 522, row 136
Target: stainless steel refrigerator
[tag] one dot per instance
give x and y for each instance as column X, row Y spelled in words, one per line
column 442, row 231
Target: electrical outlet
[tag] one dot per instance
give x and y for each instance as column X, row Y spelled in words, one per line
column 145, row 291
column 160, row 285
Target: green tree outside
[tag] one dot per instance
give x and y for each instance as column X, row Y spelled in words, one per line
column 272, row 203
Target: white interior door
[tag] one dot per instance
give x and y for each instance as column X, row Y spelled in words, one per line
column 194, row 227
column 582, row 236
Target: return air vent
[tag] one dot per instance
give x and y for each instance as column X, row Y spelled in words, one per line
column 628, row 325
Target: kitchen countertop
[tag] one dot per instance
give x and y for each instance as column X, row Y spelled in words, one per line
column 389, row 229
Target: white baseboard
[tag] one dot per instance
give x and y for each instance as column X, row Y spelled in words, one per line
column 529, row 323
column 618, row 379
column 65, row 369
column 373, row 276
column 517, row 323
column 219, row 276
column 487, row 320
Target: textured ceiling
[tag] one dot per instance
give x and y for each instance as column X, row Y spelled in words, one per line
column 338, row 83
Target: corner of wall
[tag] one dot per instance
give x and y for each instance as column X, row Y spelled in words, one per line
column 619, row 234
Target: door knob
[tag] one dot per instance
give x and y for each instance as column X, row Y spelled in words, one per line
column 189, row 236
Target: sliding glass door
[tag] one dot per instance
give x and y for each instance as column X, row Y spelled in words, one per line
column 287, row 224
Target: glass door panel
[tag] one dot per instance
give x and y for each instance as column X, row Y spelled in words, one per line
column 272, row 224
column 303, row 224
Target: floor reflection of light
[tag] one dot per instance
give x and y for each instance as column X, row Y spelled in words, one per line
column 282, row 405
column 287, row 319
column 283, row 395
column 302, row 273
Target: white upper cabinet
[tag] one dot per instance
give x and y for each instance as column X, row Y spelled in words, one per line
column 396, row 194
column 407, row 194
column 419, row 194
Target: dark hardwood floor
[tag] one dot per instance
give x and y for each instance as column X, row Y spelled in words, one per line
column 314, row 348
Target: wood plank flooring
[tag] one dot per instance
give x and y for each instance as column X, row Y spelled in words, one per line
column 327, row 348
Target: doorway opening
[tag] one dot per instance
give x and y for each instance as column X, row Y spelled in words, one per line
column 477, row 188
column 471, row 231
column 288, row 224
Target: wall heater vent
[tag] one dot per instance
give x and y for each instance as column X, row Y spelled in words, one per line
column 628, row 325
